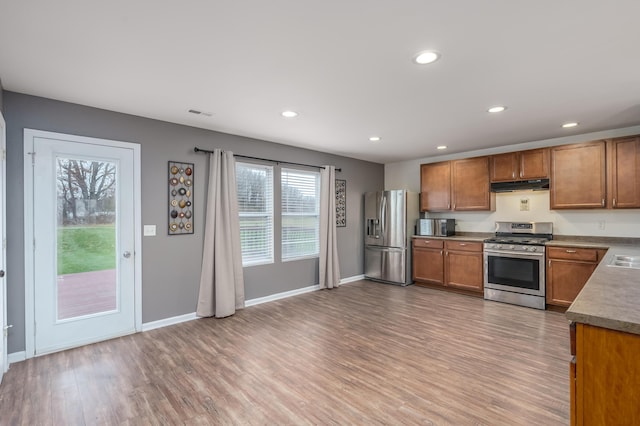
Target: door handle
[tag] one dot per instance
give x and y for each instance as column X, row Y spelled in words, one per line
column 1, row 273
column 126, row 254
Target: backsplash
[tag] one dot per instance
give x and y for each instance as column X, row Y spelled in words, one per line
column 596, row 222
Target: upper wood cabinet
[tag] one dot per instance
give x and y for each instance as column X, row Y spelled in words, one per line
column 578, row 176
column 456, row 185
column 435, row 187
column 522, row 165
column 624, row 176
column 470, row 184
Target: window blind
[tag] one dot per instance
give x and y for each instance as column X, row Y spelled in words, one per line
column 300, row 213
column 255, row 205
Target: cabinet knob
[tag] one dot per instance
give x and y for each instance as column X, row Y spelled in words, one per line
column 602, row 202
column 614, row 202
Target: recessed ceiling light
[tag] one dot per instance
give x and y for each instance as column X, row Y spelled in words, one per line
column 426, row 57
column 374, row 138
column 441, row 147
column 497, row 108
column 571, row 124
column 289, row 114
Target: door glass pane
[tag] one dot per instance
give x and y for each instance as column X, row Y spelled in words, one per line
column 86, row 237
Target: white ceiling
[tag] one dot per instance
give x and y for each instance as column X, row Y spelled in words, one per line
column 345, row 66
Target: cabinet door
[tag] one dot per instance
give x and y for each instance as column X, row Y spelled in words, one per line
column 463, row 269
column 435, row 187
column 470, row 184
column 578, row 179
column 534, row 164
column 625, row 173
column 428, row 265
column 565, row 279
column 504, row 167
column 607, row 377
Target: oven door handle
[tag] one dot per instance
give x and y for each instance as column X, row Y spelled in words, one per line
column 513, row 254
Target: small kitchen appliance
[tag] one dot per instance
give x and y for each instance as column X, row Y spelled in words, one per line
column 436, row 227
column 514, row 263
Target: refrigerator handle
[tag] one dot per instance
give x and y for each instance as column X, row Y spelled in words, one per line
column 383, row 214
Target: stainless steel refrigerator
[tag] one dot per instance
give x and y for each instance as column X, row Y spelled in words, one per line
column 389, row 220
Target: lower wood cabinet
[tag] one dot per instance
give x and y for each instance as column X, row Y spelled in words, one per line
column 463, row 265
column 605, row 377
column 448, row 263
column 568, row 270
column 428, row 261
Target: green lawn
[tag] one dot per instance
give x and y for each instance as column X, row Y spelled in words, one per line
column 86, row 248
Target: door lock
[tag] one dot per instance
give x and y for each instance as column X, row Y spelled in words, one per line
column 1, row 273
column 126, row 254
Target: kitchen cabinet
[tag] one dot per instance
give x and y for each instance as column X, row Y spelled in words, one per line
column 428, row 261
column 604, row 376
column 453, row 264
column 459, row 185
column 435, row 187
column 568, row 269
column 578, row 176
column 624, row 176
column 521, row 165
column 463, row 265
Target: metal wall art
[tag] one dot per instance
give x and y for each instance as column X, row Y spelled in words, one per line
column 180, row 198
column 341, row 203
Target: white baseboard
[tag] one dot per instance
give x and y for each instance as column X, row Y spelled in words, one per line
column 168, row 321
column 17, row 357
column 352, row 279
column 296, row 292
column 278, row 296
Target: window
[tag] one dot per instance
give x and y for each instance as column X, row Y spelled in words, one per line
column 255, row 205
column 300, row 214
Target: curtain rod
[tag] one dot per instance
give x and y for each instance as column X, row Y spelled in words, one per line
column 196, row 149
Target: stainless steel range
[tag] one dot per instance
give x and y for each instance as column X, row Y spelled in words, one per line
column 514, row 263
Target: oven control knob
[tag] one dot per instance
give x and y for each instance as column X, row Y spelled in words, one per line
column 534, row 249
column 512, row 247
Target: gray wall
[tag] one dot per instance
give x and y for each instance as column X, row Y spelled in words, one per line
column 170, row 265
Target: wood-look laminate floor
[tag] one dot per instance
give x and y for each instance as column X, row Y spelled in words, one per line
column 364, row 353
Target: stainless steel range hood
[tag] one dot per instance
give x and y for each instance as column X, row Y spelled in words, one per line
column 521, row 185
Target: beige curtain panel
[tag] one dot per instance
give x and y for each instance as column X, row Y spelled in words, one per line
column 329, row 265
column 221, row 279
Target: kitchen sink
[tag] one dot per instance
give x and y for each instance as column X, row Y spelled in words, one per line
column 625, row 261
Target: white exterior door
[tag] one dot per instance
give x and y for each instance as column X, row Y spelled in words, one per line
column 84, row 239
column 3, row 247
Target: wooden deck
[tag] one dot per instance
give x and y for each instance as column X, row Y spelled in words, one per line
column 364, row 353
column 86, row 293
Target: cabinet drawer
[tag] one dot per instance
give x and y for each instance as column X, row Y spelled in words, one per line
column 573, row 253
column 463, row 246
column 428, row 243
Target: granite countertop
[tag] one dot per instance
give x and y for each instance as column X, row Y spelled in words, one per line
column 611, row 297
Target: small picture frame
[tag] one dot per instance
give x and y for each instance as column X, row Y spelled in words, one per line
column 180, row 201
column 341, row 203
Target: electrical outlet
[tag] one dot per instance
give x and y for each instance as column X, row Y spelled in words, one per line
column 524, row 204
column 149, row 230
column 601, row 225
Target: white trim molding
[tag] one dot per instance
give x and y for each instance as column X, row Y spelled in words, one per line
column 168, row 321
column 278, row 296
column 352, row 279
column 17, row 357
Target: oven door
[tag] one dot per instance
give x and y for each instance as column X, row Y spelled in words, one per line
column 516, row 272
